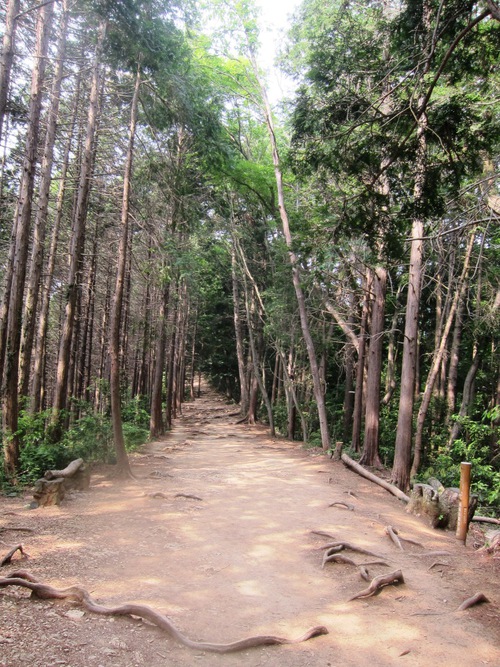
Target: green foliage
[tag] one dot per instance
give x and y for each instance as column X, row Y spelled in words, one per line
column 474, row 446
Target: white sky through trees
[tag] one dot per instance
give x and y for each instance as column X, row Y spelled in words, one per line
column 275, row 19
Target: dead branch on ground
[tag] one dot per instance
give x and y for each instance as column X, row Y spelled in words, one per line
column 350, row 463
column 82, row 597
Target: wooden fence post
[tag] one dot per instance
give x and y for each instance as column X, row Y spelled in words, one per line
column 463, row 509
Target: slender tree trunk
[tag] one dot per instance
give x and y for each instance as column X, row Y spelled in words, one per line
column 402, row 451
column 78, row 236
column 156, row 425
column 33, row 291
column 43, row 318
column 357, row 417
column 7, row 56
column 22, row 225
column 451, row 390
column 238, row 330
column 117, row 301
column 438, row 355
column 372, row 412
column 319, row 394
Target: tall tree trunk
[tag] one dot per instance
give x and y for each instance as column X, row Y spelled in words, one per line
column 43, row 318
column 438, row 355
column 357, row 416
column 372, row 411
column 238, row 330
column 117, row 301
column 33, row 291
column 319, row 393
column 78, row 235
column 156, row 425
column 7, row 56
column 22, row 227
column 402, row 450
column 451, row 389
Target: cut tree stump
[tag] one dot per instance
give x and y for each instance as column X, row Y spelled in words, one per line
column 51, row 488
column 438, row 505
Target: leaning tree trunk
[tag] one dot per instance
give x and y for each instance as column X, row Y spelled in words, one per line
column 78, row 236
column 319, row 390
column 22, row 224
column 117, row 300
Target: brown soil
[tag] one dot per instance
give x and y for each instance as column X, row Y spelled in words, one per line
column 241, row 560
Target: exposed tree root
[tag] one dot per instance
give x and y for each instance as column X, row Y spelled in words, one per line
column 322, row 533
column 5, row 529
column 187, row 495
column 438, row 564
column 393, row 534
column 340, row 503
column 335, row 547
column 81, row 596
column 336, row 558
column 8, row 557
column 380, row 582
column 470, row 602
column 157, row 494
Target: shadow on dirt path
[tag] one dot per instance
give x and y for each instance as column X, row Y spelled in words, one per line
column 217, row 533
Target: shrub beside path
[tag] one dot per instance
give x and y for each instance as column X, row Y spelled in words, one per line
column 219, row 531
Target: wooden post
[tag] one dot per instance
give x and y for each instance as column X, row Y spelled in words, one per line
column 463, row 509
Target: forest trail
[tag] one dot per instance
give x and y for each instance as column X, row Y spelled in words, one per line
column 227, row 551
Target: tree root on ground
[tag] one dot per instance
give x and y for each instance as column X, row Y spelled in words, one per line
column 340, row 503
column 335, row 547
column 380, row 582
column 187, row 495
column 81, row 596
column 470, row 602
column 8, row 557
column 393, row 534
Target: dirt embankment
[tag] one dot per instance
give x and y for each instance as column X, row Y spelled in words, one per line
column 217, row 532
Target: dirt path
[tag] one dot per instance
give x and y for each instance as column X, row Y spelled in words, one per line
column 234, row 556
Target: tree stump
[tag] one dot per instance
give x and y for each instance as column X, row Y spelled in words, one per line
column 438, row 504
column 51, row 488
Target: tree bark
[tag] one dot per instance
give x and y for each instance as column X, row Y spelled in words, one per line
column 33, row 291
column 372, row 411
column 22, row 224
column 117, row 300
column 7, row 56
column 78, row 236
column 438, row 355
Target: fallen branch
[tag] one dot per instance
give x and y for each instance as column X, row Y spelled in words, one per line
column 470, row 602
column 373, row 478
column 486, row 519
column 8, row 557
column 81, row 596
column 380, row 582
